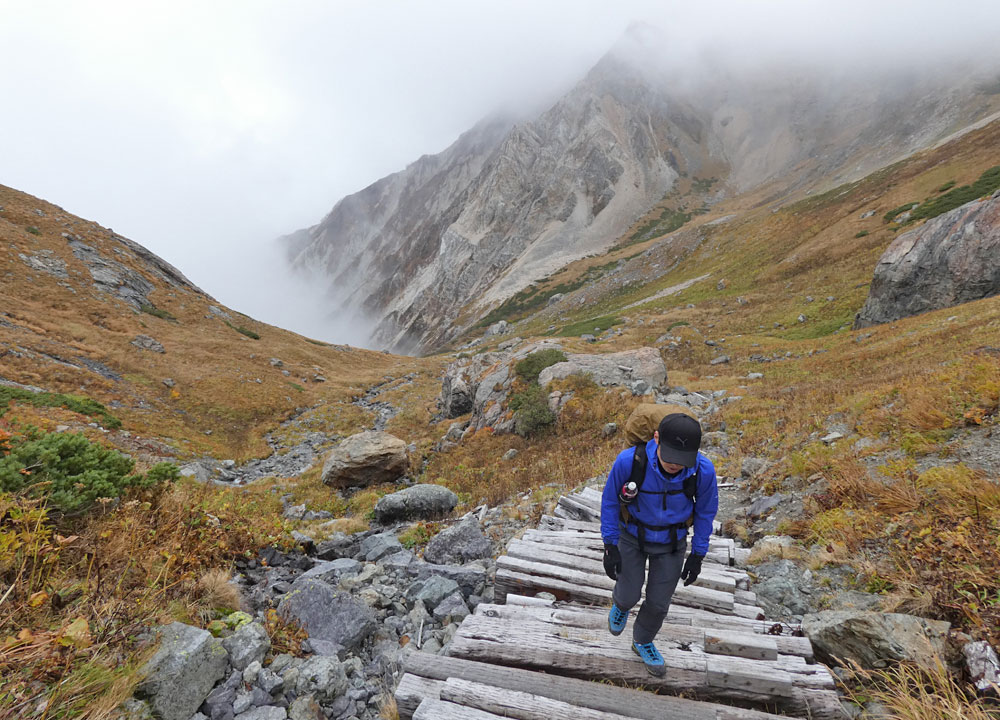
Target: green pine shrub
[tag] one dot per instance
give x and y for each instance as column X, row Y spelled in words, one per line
column 71, row 472
column 530, row 367
column 531, row 411
column 76, row 403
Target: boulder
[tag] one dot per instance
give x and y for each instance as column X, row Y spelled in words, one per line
column 459, row 544
column 611, row 369
column 376, row 547
column 456, row 397
column 365, row 459
column 419, row 502
column 874, row 639
column 333, row 619
column 181, row 674
column 248, row 644
column 322, row 676
column 952, row 259
column 432, row 590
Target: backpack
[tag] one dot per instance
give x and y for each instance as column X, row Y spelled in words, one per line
column 638, row 476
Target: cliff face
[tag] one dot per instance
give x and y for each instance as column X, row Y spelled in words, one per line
column 422, row 252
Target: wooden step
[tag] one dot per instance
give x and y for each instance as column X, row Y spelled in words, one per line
column 585, row 653
column 426, row 673
column 709, row 640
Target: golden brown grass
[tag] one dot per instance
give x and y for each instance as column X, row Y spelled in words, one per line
column 570, row 452
column 912, row 693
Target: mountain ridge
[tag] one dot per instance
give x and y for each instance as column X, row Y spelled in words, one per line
column 571, row 181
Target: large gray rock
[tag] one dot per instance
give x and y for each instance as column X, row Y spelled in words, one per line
column 376, row 547
column 322, row 676
column 180, row 675
column 248, row 644
column 419, row 502
column 333, row 619
column 459, row 544
column 470, row 578
column 332, row 570
column 612, row 369
column 456, row 398
column 432, row 590
column 365, row 459
column 873, row 639
column 952, row 259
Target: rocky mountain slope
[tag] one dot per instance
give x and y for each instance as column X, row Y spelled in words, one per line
column 426, row 251
column 87, row 312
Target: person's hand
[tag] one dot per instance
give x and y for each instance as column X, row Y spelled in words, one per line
column 612, row 561
column 691, row 571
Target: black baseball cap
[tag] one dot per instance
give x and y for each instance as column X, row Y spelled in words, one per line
column 680, row 438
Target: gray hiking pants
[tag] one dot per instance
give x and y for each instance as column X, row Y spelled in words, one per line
column 664, row 572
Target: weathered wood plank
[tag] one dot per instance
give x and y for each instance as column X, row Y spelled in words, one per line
column 745, row 597
column 585, row 626
column 431, row 709
column 578, row 510
column 582, row 693
column 518, row 704
column 687, row 631
column 411, row 690
column 758, row 647
column 568, row 651
column 763, row 678
column 691, row 595
column 592, row 562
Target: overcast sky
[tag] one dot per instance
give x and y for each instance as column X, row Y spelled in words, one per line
column 204, row 130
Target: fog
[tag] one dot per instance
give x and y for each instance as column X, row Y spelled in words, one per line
column 204, row 131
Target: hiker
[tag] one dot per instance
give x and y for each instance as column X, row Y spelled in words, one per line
column 655, row 491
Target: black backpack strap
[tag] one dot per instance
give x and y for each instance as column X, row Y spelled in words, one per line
column 638, row 465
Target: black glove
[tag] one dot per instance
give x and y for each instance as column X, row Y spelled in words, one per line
column 691, row 571
column 612, row 561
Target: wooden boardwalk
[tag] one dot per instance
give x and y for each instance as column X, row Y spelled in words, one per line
column 535, row 659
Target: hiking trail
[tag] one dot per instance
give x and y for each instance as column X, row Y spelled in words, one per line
column 534, row 658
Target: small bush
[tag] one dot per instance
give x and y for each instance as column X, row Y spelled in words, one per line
column 531, row 411
column 861, row 234
column 157, row 312
column 891, row 215
column 82, row 405
column 243, row 331
column 947, row 186
column 530, row 367
column 33, row 230
column 71, row 472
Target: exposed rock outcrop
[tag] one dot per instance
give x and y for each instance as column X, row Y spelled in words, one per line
column 952, row 259
column 875, row 639
column 623, row 369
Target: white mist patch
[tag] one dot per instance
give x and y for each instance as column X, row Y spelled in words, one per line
column 260, row 284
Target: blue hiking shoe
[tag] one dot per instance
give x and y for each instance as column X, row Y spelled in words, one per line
column 617, row 619
column 651, row 658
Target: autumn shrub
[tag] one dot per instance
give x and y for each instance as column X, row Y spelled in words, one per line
column 71, row 472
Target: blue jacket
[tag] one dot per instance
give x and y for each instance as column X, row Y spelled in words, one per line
column 648, row 507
